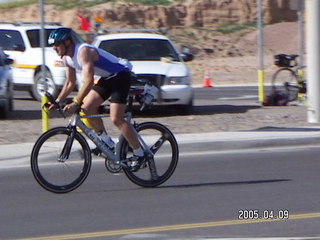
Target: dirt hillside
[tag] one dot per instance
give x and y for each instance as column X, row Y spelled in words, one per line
column 231, row 58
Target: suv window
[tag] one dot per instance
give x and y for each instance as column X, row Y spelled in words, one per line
column 11, row 40
column 140, row 49
column 34, row 37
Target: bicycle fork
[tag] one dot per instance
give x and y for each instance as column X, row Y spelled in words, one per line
column 65, row 153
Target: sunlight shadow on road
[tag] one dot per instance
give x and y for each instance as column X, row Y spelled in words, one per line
column 225, row 183
column 286, row 129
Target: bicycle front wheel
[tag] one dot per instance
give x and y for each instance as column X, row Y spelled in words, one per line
column 285, row 80
column 159, row 167
column 60, row 160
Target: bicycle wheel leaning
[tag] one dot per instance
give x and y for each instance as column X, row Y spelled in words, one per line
column 285, row 80
column 60, row 160
column 164, row 147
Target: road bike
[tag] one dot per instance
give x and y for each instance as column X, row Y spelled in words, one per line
column 61, row 157
column 288, row 79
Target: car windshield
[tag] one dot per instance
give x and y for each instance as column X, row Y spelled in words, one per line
column 140, row 49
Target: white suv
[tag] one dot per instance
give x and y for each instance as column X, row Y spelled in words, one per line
column 21, row 42
column 154, row 59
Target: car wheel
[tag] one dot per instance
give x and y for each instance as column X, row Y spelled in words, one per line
column 40, row 85
column 11, row 104
column 4, row 110
column 10, row 99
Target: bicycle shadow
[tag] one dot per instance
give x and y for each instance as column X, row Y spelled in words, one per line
column 195, row 185
column 185, row 186
column 286, row 129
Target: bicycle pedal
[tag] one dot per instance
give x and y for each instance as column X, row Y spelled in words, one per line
column 96, row 151
column 124, row 164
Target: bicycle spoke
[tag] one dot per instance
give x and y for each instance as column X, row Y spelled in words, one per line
column 155, row 147
column 162, row 158
column 153, row 170
column 60, row 160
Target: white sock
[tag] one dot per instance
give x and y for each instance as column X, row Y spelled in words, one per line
column 107, row 139
column 138, row 152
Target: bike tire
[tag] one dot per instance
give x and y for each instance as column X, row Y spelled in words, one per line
column 52, row 173
column 165, row 158
column 285, row 81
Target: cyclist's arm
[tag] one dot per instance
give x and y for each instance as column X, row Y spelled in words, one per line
column 86, row 59
column 69, row 84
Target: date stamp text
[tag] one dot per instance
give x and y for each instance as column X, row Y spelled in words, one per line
column 250, row 214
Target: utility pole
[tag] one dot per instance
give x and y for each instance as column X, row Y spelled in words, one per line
column 260, row 52
column 45, row 112
column 313, row 59
column 300, row 13
column 42, row 39
column 298, row 5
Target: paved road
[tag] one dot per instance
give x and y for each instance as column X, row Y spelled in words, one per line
column 205, row 198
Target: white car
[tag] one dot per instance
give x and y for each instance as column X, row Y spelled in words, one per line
column 155, row 59
column 21, row 41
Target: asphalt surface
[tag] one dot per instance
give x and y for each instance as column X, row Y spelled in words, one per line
column 213, row 126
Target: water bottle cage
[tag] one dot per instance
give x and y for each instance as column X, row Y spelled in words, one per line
column 148, row 94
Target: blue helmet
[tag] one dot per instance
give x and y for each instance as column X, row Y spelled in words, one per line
column 59, row 35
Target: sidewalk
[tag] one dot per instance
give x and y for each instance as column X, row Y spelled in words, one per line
column 242, row 140
column 19, row 154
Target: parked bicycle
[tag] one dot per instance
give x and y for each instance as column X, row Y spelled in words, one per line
column 286, row 80
column 61, row 157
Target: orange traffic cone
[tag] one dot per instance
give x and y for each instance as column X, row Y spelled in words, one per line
column 206, row 79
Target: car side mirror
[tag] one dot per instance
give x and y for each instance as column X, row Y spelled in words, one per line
column 186, row 55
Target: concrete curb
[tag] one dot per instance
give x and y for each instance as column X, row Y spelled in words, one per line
column 215, row 141
column 224, row 141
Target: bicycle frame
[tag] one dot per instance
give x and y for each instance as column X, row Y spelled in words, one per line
column 77, row 122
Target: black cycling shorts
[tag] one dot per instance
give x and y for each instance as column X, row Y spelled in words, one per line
column 116, row 87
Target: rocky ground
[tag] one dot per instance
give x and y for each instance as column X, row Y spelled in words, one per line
column 214, row 116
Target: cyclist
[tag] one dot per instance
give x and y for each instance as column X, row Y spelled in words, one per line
column 114, row 82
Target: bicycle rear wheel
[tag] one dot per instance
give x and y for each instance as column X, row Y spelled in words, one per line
column 60, row 160
column 285, row 80
column 161, row 166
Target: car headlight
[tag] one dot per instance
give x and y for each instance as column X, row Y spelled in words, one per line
column 178, row 81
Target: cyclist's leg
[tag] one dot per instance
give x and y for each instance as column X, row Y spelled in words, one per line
column 117, row 111
column 91, row 106
column 120, row 86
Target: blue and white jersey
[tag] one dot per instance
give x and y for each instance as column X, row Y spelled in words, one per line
column 106, row 65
